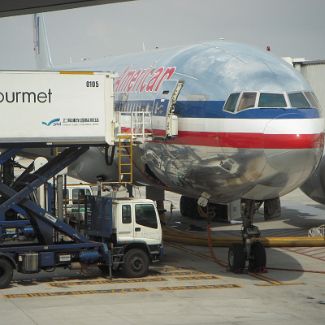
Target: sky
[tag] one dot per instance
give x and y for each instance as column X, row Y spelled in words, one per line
column 293, row 28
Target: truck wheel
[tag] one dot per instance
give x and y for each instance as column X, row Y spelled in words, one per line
column 136, row 263
column 104, row 269
column 6, row 272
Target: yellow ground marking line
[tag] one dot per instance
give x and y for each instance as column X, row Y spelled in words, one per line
column 279, row 284
column 182, row 273
column 197, row 277
column 271, row 282
column 73, row 293
column 200, row 287
column 106, row 281
column 265, row 278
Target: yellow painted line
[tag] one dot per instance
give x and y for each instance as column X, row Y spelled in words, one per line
column 265, row 278
column 200, row 287
column 94, row 282
column 197, row 277
column 173, row 273
column 72, row 293
column 279, row 284
column 77, row 72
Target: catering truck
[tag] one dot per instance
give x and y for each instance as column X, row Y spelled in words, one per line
column 60, row 115
column 123, row 235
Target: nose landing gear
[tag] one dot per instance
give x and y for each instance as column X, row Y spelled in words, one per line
column 251, row 251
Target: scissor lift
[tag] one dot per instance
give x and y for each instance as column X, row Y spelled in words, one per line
column 48, row 250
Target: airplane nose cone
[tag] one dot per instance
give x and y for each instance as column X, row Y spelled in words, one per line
column 292, row 150
column 291, row 153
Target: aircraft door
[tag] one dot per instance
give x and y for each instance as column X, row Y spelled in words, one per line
column 164, row 121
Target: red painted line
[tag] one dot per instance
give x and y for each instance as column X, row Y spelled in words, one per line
column 242, row 140
column 250, row 140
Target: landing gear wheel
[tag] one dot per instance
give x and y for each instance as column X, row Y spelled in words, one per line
column 136, row 263
column 6, row 272
column 257, row 260
column 188, row 207
column 236, row 258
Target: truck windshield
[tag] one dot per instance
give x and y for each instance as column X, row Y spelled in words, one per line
column 145, row 215
column 78, row 195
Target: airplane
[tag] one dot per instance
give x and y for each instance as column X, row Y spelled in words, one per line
column 248, row 126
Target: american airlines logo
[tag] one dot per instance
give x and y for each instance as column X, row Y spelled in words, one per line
column 143, row 80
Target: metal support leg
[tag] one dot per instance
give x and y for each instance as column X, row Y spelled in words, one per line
column 251, row 250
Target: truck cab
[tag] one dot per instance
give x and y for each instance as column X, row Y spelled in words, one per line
column 137, row 235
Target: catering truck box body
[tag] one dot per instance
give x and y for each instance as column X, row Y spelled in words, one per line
column 56, row 107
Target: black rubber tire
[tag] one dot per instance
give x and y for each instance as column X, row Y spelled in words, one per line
column 236, row 258
column 272, row 209
column 6, row 273
column 104, row 269
column 188, row 207
column 136, row 263
column 257, row 259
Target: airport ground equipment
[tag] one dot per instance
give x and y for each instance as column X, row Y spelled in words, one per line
column 120, row 233
column 72, row 110
column 56, row 108
column 123, row 233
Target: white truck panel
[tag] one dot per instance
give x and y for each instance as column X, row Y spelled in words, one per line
column 56, row 107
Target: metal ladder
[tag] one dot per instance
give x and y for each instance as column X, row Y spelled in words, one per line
column 125, row 158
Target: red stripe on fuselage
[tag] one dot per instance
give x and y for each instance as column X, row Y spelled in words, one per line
column 243, row 140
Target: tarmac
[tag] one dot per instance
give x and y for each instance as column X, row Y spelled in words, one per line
column 190, row 285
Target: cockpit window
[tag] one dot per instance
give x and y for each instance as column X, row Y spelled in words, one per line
column 298, row 100
column 231, row 103
column 312, row 99
column 240, row 101
column 271, row 100
column 247, row 100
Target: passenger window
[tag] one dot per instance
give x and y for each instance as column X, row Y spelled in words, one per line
column 272, row 100
column 247, row 100
column 126, row 214
column 312, row 99
column 231, row 102
column 298, row 100
column 145, row 215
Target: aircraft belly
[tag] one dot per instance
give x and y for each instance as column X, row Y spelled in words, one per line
column 226, row 174
column 192, row 170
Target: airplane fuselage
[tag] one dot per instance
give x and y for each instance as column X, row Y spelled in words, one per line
column 248, row 124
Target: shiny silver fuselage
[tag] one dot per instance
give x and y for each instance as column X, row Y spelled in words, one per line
column 255, row 154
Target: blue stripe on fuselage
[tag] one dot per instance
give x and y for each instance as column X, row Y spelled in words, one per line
column 214, row 109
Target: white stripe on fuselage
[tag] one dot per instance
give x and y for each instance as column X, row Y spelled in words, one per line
column 267, row 126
